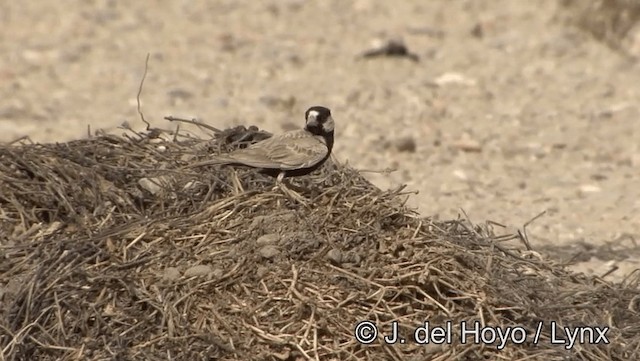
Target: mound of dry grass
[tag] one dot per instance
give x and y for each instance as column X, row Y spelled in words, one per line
column 110, row 250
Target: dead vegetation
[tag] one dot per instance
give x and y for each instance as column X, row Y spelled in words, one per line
column 109, row 251
column 614, row 22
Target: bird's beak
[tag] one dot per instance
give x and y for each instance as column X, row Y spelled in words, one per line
column 312, row 122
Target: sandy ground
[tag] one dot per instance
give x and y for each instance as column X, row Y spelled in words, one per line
column 512, row 112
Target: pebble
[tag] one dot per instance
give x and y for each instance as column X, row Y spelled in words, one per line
column 199, row 270
column 454, row 78
column 171, row 274
column 390, row 47
column 468, row 145
column 269, row 251
column 590, row 188
column 150, row 184
column 406, row 144
column 266, row 239
column 261, row 272
column 180, row 94
column 460, row 174
column 335, row 256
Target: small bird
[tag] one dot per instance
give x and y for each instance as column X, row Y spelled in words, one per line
column 290, row 154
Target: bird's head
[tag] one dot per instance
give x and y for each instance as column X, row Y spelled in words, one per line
column 319, row 120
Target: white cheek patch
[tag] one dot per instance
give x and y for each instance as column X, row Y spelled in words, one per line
column 328, row 125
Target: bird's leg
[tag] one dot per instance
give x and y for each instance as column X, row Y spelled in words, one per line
column 278, row 181
column 288, row 192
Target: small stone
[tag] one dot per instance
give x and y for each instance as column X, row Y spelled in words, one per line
column 269, row 251
column 478, row 30
column 590, row 188
column 406, row 144
column 151, row 185
column 261, row 272
column 335, row 256
column 258, row 222
column 468, row 145
column 391, row 47
column 286, row 217
column 180, row 94
column 199, row 270
column 460, row 174
column 171, row 274
column 266, row 239
column 217, row 273
column 454, row 78
column 35, row 57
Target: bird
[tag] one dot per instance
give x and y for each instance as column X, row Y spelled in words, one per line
column 290, row 154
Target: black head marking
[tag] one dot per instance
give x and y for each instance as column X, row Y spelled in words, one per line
column 319, row 120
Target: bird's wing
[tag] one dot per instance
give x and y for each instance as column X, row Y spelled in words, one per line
column 291, row 150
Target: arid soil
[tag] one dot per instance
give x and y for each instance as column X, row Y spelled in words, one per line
column 510, row 110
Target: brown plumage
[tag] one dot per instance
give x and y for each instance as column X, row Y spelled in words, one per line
column 292, row 153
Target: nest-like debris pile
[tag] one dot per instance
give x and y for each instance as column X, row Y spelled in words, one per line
column 110, row 249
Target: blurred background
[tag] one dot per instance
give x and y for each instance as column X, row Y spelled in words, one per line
column 504, row 108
